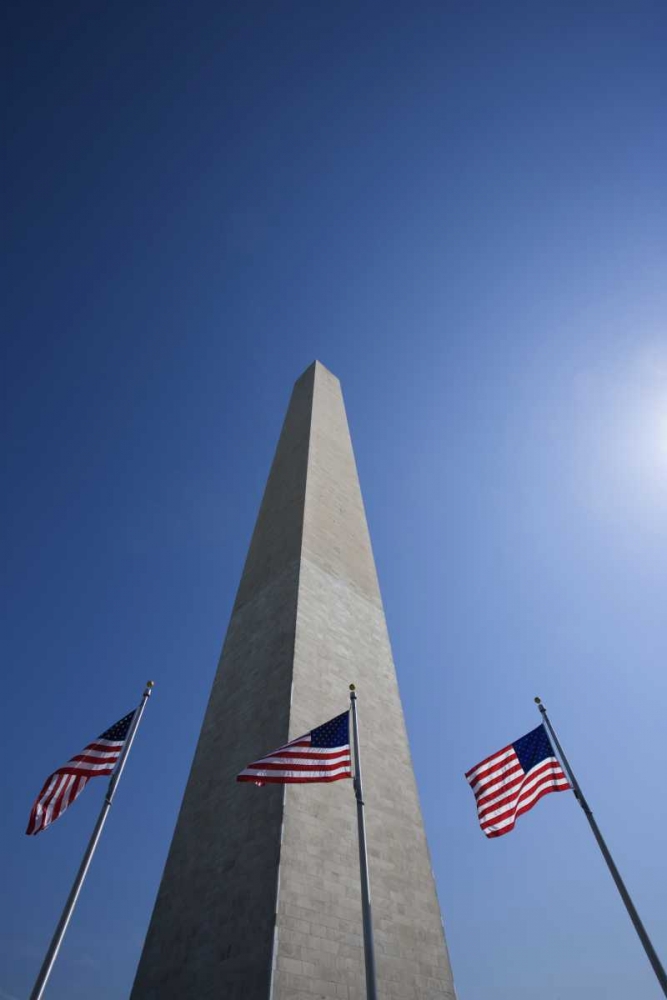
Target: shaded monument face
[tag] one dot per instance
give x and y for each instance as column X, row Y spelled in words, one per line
column 260, row 897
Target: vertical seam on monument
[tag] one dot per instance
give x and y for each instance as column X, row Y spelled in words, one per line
column 274, row 948
column 303, row 524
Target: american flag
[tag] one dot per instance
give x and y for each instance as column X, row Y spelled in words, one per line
column 511, row 781
column 321, row 755
column 64, row 785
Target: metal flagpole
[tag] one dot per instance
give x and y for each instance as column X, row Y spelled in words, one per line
column 57, row 939
column 625, row 896
column 369, row 948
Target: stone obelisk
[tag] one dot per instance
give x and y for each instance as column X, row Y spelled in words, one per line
column 260, row 897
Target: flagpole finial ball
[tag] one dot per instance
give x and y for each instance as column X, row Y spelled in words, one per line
column 537, row 700
column 352, row 687
column 150, row 684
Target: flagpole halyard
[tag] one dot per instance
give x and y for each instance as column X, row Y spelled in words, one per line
column 369, row 947
column 59, row 934
column 651, row 953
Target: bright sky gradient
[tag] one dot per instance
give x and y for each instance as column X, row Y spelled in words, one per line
column 460, row 209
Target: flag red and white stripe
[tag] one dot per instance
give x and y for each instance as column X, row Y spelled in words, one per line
column 62, row 787
column 321, row 755
column 512, row 781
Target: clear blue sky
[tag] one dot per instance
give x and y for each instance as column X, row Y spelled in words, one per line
column 459, row 208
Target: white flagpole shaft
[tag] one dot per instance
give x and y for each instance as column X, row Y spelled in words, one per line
column 369, row 947
column 59, row 934
column 651, row 953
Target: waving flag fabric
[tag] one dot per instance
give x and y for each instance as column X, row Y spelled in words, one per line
column 321, row 755
column 511, row 781
column 64, row 785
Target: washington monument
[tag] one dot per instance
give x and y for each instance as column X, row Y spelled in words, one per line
column 260, row 896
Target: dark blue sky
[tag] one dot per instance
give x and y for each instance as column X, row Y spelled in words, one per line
column 459, row 208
